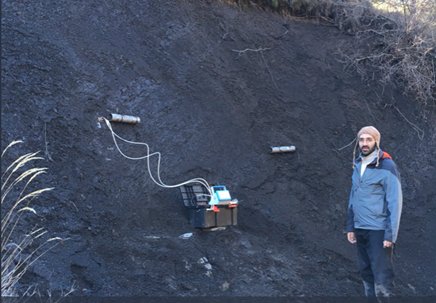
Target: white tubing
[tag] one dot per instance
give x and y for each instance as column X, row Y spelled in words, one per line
column 201, row 181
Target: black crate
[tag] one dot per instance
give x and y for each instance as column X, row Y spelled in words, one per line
column 199, row 214
column 203, row 218
column 192, row 196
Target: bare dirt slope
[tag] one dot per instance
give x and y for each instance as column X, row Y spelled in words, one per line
column 212, row 108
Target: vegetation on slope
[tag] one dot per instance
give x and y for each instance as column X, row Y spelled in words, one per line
column 396, row 39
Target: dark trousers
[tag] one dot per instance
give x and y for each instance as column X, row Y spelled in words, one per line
column 375, row 263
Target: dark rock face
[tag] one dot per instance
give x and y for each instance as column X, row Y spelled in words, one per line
column 213, row 108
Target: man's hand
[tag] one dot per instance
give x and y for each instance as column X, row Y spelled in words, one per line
column 387, row 244
column 351, row 237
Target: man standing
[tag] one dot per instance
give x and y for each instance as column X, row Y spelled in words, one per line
column 374, row 212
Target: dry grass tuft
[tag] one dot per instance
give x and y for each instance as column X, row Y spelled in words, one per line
column 19, row 251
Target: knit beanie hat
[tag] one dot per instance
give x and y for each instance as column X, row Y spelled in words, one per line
column 373, row 132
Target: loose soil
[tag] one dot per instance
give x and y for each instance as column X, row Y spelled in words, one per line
column 215, row 87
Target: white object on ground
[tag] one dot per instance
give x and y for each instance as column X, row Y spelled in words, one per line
column 186, row 236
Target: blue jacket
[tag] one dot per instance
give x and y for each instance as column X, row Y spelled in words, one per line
column 376, row 198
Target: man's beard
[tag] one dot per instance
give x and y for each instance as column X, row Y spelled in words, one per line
column 367, row 152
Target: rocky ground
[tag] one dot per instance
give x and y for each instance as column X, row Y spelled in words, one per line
column 213, row 107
